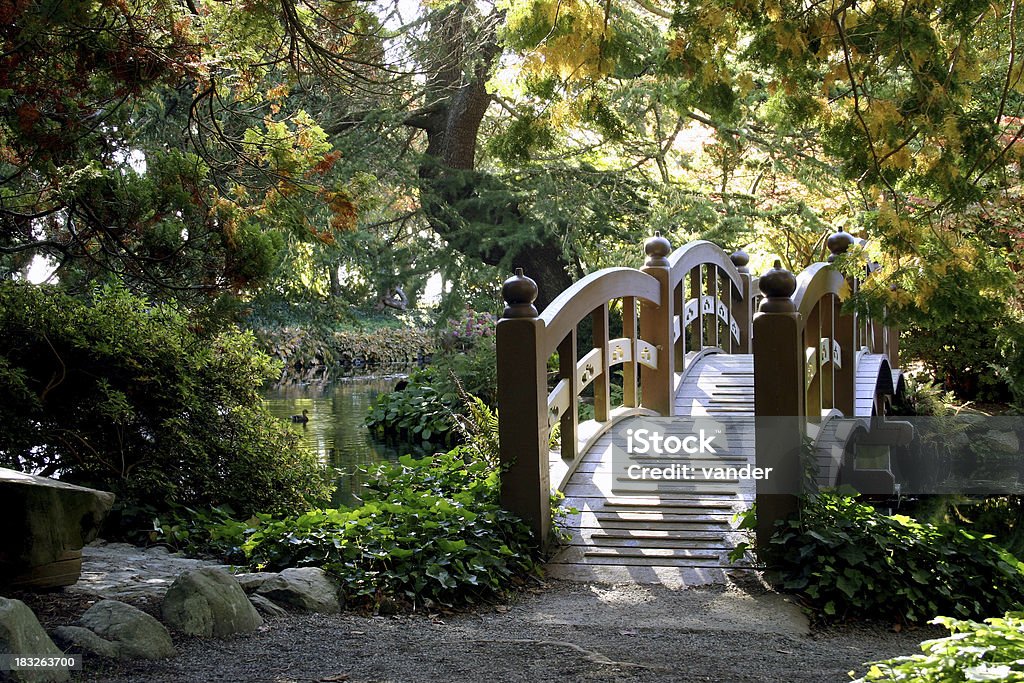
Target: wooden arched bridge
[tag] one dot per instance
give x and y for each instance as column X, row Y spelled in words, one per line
column 700, row 339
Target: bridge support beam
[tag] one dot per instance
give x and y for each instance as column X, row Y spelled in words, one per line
column 779, row 395
column 523, row 427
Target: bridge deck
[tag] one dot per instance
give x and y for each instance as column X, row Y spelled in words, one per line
column 673, row 533
column 680, row 533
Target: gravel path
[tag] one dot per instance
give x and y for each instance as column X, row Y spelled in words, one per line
column 564, row 632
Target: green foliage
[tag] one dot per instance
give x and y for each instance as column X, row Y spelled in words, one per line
column 212, row 531
column 989, row 651
column 428, row 408
column 922, row 398
column 999, row 516
column 847, row 559
column 126, row 396
column 430, row 531
column 416, row 413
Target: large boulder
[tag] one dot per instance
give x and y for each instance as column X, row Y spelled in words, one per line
column 209, row 602
column 123, row 631
column 304, row 588
column 46, row 523
column 22, row 634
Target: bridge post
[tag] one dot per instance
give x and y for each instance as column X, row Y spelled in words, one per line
column 845, row 379
column 779, row 395
column 657, row 383
column 522, row 407
column 743, row 314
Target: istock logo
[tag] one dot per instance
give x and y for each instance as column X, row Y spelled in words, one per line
column 643, row 441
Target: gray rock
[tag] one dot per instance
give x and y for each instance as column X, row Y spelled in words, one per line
column 305, row 588
column 79, row 639
column 251, row 582
column 119, row 571
column 21, row 634
column 136, row 634
column 1003, row 442
column 209, row 602
column 46, row 523
column 266, row 607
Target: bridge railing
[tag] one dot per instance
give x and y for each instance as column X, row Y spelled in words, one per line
column 709, row 306
column 677, row 305
column 806, row 350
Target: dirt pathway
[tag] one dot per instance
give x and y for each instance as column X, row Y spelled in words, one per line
column 564, row 632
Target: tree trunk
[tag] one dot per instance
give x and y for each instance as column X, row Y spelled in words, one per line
column 332, row 270
column 475, row 212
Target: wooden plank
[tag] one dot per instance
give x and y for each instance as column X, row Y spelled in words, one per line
column 671, row 577
column 660, row 553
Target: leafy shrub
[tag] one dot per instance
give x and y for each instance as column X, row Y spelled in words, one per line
column 430, row 531
column 416, row 413
column 432, row 402
column 989, row 651
column 126, row 396
column 923, row 398
column 846, row 558
column 970, row 337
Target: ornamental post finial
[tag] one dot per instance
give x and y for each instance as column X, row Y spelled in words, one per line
column 740, row 259
column 519, row 293
column 778, row 286
column 838, row 243
column 657, row 248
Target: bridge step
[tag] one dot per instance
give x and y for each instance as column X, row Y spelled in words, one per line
column 654, row 531
column 672, row 577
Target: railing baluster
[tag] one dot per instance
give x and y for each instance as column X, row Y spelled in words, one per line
column 827, row 368
column 697, row 330
column 602, row 397
column 713, row 293
column 743, row 313
column 569, row 420
column 812, row 351
column 679, row 343
column 629, row 397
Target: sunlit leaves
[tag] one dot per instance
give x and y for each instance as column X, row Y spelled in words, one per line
column 566, row 39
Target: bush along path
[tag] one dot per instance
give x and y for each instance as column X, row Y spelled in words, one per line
column 845, row 559
column 429, row 532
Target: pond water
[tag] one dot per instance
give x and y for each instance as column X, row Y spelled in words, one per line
column 335, row 431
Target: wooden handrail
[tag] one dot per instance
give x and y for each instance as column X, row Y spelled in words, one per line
column 699, row 253
column 574, row 304
column 814, row 283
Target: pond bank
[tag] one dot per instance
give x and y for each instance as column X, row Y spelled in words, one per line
column 303, row 350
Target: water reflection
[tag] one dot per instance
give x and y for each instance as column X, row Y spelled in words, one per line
column 335, row 429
